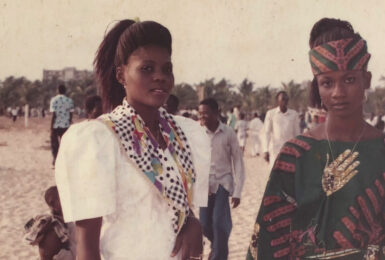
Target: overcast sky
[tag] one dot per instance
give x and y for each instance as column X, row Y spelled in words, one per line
column 263, row 40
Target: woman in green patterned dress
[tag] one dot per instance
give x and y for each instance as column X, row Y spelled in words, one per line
column 325, row 198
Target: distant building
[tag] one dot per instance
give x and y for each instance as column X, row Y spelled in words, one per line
column 66, row 74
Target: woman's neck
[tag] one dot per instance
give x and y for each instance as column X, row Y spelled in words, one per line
column 347, row 129
column 147, row 113
column 150, row 116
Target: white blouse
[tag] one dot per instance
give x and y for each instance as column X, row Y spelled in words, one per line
column 95, row 178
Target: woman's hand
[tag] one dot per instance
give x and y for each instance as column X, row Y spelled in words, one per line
column 189, row 240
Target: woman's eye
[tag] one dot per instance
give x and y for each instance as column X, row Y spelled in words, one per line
column 350, row 80
column 325, row 83
column 168, row 70
column 146, row 68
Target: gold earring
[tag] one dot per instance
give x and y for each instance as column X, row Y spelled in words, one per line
column 365, row 96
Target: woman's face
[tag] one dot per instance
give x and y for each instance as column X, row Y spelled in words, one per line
column 148, row 77
column 342, row 92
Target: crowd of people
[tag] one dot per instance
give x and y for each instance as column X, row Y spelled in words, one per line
column 131, row 178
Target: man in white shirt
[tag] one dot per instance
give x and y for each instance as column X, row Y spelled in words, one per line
column 255, row 128
column 281, row 124
column 226, row 179
column 62, row 108
column 241, row 129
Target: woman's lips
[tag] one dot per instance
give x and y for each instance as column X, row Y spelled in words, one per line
column 159, row 91
column 340, row 106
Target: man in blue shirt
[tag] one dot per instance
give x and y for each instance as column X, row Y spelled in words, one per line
column 61, row 107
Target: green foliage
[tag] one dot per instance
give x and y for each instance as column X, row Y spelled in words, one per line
column 21, row 91
column 298, row 94
column 376, row 100
column 78, row 90
column 15, row 92
column 188, row 98
column 222, row 92
column 263, row 99
column 245, row 91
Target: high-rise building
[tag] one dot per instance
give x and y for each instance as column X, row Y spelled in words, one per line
column 66, row 74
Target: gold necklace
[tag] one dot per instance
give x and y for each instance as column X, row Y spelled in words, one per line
column 158, row 136
column 341, row 170
column 155, row 132
column 354, row 146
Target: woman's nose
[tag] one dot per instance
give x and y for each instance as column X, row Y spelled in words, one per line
column 339, row 89
column 159, row 76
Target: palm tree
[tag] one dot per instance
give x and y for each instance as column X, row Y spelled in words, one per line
column 246, row 90
column 188, row 98
column 263, row 98
column 296, row 94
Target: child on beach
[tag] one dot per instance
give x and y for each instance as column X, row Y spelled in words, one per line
column 49, row 232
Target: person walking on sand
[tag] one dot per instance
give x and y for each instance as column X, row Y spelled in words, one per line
column 255, row 129
column 231, row 118
column 281, row 124
column 62, row 108
column 241, row 130
column 224, row 182
column 14, row 113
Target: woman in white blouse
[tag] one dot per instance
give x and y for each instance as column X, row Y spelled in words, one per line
column 129, row 179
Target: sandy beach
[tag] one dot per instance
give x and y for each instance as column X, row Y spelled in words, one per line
column 26, row 172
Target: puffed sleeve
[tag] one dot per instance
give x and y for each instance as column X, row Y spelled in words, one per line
column 85, row 171
column 200, row 148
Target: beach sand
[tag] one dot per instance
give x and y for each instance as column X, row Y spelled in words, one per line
column 26, row 172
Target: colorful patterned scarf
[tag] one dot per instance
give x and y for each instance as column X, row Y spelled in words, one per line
column 345, row 54
column 143, row 149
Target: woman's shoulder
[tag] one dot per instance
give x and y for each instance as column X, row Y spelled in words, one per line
column 189, row 125
column 316, row 133
column 88, row 130
column 185, row 120
column 89, row 125
column 301, row 144
column 372, row 132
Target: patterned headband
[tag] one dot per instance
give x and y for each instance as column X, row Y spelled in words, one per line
column 345, row 54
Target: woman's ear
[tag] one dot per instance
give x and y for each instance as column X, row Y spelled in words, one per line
column 368, row 79
column 120, row 75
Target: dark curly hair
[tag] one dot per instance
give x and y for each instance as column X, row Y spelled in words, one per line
column 118, row 44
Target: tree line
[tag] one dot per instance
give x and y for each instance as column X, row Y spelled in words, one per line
column 18, row 91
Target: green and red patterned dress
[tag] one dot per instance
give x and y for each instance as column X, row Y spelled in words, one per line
column 313, row 209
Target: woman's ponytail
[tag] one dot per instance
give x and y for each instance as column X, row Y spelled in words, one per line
column 112, row 92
